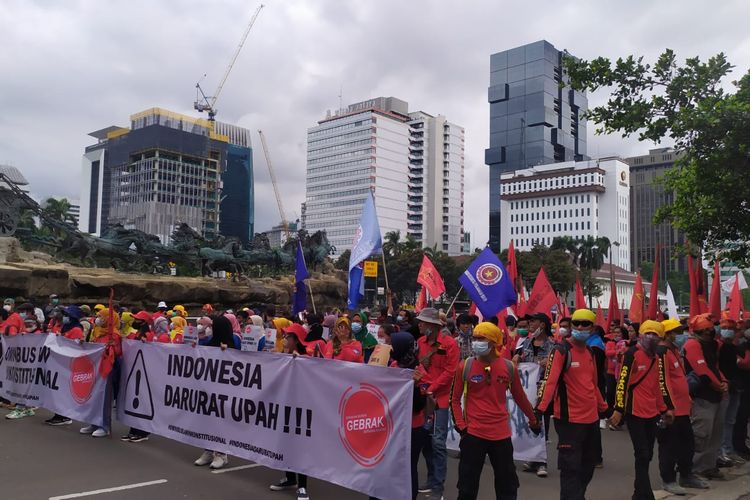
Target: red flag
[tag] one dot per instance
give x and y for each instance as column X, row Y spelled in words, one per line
column 565, row 310
column 653, row 301
column 694, row 304
column 613, row 309
column 716, row 291
column 600, row 316
column 421, row 300
column 735, row 301
column 512, row 265
column 636, row 303
column 522, row 303
column 108, row 358
column 542, row 296
column 429, row 277
column 580, row 297
column 474, row 310
column 700, row 281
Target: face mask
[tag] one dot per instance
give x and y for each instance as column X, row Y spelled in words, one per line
column 480, row 347
column 7, row 307
column 381, row 340
column 66, row 320
column 400, row 318
column 30, row 329
column 356, row 327
column 727, row 334
column 522, row 332
column 55, row 302
column 209, row 331
column 648, row 342
column 580, row 335
column 717, row 328
column 99, row 322
column 23, row 315
column 679, row 340
column 564, row 332
column 201, row 328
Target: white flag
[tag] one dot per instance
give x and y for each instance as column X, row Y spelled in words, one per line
column 726, row 286
column 671, row 304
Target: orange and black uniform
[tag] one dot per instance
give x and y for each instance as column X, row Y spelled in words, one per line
column 571, row 385
column 640, row 397
column 676, row 445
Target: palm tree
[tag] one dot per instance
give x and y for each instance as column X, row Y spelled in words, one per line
column 569, row 245
column 58, row 209
column 392, row 243
column 591, row 254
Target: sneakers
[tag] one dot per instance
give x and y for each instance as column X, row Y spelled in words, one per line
column 736, row 458
column 20, row 413
column 206, row 458
column 693, row 481
column 220, row 460
column 100, row 432
column 541, row 471
column 425, row 488
column 435, row 495
column 711, row 474
column 724, row 462
column 137, row 438
column 674, row 489
column 126, row 437
column 89, row 429
column 284, row 484
column 529, row 467
column 58, row 420
column 302, row 494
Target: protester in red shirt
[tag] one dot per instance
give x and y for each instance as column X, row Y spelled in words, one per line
column 484, row 423
column 439, row 355
column 13, row 324
column 142, row 327
column 342, row 346
column 71, row 323
column 676, row 444
column 571, row 385
column 640, row 398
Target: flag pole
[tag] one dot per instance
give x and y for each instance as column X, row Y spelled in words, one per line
column 385, row 273
column 312, row 298
column 454, row 300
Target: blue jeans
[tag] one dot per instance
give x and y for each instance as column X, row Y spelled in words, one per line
column 435, row 453
column 727, row 445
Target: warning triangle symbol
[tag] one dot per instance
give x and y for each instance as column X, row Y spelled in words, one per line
column 138, row 400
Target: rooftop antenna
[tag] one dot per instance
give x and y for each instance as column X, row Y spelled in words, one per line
column 341, row 98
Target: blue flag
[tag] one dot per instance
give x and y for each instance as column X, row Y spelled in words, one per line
column 366, row 242
column 488, row 284
column 299, row 303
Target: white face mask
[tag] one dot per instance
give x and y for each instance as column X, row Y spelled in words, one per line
column 564, row 332
column 99, row 321
column 201, row 328
column 480, row 347
column 381, row 340
column 7, row 307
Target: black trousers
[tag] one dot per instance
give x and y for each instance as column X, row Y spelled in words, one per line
column 739, row 434
column 642, row 435
column 611, row 386
column 300, row 479
column 419, row 438
column 473, row 452
column 579, row 447
column 676, row 448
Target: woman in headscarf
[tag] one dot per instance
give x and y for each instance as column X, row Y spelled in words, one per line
column 223, row 338
column 342, row 345
column 279, row 324
column 236, row 327
column 161, row 329
column 360, row 321
column 126, row 321
column 314, row 341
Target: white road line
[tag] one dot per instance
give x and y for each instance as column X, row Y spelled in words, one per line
column 108, row 490
column 232, row 469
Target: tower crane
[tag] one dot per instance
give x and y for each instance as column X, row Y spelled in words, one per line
column 284, row 222
column 208, row 103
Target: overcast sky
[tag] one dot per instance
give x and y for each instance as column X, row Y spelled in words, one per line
column 72, row 67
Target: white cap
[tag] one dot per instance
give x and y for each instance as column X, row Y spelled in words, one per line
column 162, row 304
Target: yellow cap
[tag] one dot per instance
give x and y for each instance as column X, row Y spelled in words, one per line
column 651, row 326
column 670, row 324
column 99, row 307
column 583, row 315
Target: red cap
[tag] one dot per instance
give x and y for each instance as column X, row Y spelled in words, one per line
column 143, row 316
column 298, row 331
column 701, row 322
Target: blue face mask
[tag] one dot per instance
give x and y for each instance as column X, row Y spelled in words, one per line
column 580, row 336
column 679, row 340
column 356, row 327
column 400, row 319
column 727, row 334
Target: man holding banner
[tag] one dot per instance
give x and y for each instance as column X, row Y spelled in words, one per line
column 479, row 408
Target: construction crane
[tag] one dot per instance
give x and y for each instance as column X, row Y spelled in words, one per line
column 208, row 103
column 284, row 222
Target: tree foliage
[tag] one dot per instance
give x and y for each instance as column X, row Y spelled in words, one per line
column 588, row 255
column 710, row 129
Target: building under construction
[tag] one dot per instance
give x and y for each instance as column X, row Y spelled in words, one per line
column 166, row 169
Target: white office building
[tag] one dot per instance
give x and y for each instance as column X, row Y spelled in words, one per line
column 412, row 162
column 577, row 199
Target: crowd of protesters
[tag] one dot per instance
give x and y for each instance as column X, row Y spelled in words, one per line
column 677, row 383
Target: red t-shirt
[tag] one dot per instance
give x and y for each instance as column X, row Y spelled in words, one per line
column 149, row 337
column 440, row 365
column 74, row 333
column 351, row 351
column 486, row 405
column 13, row 325
column 316, row 348
column 675, row 389
column 577, row 399
column 638, row 390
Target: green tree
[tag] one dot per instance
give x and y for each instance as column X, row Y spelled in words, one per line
column 342, row 262
column 647, row 270
column 392, row 243
column 710, row 128
column 557, row 265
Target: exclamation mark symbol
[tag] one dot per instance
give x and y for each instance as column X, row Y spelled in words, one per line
column 136, row 401
column 287, row 414
column 298, row 412
column 308, row 433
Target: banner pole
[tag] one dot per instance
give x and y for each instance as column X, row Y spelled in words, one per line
column 312, row 299
column 454, row 300
column 385, row 273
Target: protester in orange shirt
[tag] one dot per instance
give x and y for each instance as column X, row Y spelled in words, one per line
column 342, row 345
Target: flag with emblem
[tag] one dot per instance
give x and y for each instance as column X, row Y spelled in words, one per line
column 430, row 278
column 488, row 284
column 367, row 241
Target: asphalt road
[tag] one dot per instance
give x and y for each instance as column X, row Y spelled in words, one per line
column 42, row 462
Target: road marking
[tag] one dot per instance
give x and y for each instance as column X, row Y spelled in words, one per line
column 108, row 490
column 232, row 469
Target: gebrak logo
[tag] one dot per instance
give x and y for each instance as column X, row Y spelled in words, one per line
column 366, row 424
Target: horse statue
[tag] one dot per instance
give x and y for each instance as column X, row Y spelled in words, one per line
column 222, row 260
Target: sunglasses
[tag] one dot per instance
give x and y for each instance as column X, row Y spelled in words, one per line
column 581, row 323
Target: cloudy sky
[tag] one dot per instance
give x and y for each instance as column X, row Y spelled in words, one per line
column 74, row 66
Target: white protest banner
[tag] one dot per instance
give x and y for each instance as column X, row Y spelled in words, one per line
column 527, row 446
column 190, row 334
column 252, row 337
column 326, row 333
column 345, row 423
column 55, row 373
column 372, row 329
column 270, row 340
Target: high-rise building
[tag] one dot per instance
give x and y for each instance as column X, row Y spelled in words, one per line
column 535, row 119
column 412, row 161
column 277, row 235
column 166, row 169
column 577, row 199
column 647, row 195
